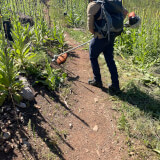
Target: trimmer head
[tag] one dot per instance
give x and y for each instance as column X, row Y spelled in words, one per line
column 55, row 58
column 62, row 58
column 134, row 21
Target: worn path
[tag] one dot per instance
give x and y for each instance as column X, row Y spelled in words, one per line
column 91, row 128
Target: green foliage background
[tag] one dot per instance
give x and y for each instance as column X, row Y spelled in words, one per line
column 137, row 56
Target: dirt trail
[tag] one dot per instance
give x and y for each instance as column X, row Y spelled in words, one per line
column 92, row 132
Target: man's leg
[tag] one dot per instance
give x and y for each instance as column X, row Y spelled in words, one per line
column 96, row 47
column 108, row 54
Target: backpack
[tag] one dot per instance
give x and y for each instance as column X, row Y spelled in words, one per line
column 111, row 18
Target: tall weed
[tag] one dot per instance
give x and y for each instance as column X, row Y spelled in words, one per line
column 53, row 77
column 9, row 86
column 21, row 36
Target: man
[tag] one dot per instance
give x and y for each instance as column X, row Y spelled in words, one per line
column 99, row 44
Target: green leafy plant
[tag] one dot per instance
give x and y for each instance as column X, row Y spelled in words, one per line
column 53, row 77
column 74, row 13
column 9, row 87
column 56, row 34
column 38, row 38
column 73, row 19
column 22, row 44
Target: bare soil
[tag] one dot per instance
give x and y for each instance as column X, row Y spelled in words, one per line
column 91, row 124
column 78, row 123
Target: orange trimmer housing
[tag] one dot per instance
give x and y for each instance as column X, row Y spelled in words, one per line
column 132, row 14
column 62, row 58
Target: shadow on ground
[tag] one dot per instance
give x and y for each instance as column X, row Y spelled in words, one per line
column 37, row 127
column 38, row 120
column 138, row 98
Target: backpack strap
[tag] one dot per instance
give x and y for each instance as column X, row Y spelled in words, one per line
column 97, row 15
column 107, row 18
column 99, row 12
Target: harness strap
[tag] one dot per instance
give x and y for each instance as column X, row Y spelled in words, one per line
column 107, row 18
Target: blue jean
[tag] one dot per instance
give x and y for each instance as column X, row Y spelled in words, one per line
column 102, row 45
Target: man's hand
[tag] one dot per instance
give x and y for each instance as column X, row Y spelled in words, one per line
column 92, row 31
column 125, row 12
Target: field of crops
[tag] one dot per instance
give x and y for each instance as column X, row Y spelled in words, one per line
column 32, row 32
column 23, row 50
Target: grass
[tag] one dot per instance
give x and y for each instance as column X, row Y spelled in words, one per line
column 141, row 129
column 138, row 106
column 139, row 112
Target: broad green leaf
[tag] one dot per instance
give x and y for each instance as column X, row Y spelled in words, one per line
column 24, row 38
column 26, row 48
column 157, row 151
column 18, row 51
column 15, row 34
column 64, row 75
column 31, row 55
column 25, row 51
column 2, row 87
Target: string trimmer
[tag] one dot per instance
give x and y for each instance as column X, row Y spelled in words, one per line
column 61, row 58
column 134, row 22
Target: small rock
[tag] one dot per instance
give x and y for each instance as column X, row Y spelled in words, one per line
column 6, row 135
column 17, row 110
column 95, row 128
column 15, row 145
column 131, row 153
column 22, row 119
column 39, row 107
column 27, row 94
column 20, row 140
column 98, row 153
column 7, row 123
column 5, row 115
column 96, row 100
column 70, row 125
column 8, row 148
column 22, row 105
column 26, row 91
